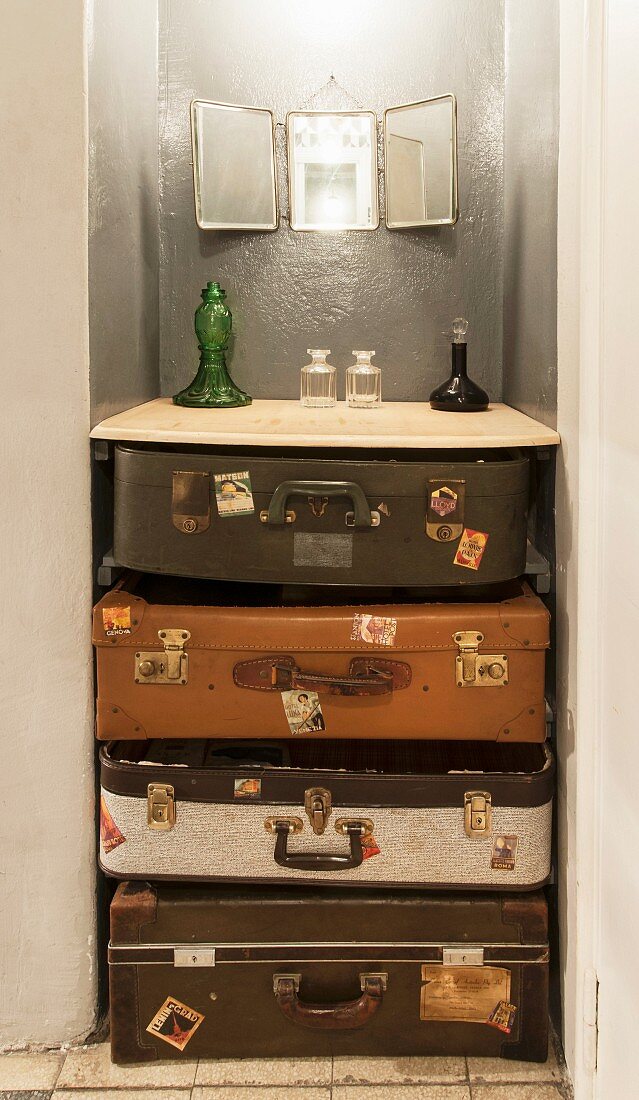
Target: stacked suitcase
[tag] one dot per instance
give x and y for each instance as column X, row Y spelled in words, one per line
column 330, row 809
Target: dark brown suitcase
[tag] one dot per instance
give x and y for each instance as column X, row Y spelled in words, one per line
column 268, row 515
column 220, row 973
column 464, row 671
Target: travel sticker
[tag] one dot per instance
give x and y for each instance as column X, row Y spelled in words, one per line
column 110, row 835
column 443, row 501
column 445, row 511
column 370, row 847
column 175, row 1023
column 247, row 788
column 504, row 853
column 471, row 549
column 303, row 711
column 503, row 1016
column 374, row 629
column 233, row 494
column 462, row 992
column 116, row 620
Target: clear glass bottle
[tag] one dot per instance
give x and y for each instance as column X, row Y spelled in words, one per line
column 318, row 382
column 363, row 382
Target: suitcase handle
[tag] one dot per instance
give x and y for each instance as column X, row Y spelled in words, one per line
column 339, row 1016
column 319, row 861
column 276, row 513
column 365, row 676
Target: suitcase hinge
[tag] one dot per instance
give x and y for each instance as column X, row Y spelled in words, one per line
column 478, row 813
column 160, row 807
column 318, row 806
column 463, row 956
column 474, row 669
column 171, row 667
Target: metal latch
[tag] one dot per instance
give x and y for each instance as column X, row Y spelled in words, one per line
column 194, row 956
column 318, row 505
column 463, row 956
column 478, row 813
column 160, row 807
column 474, row 669
column 318, row 806
column 170, row 667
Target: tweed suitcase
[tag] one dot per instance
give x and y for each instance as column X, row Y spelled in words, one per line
column 168, row 667
column 409, row 518
column 197, row 972
column 409, row 813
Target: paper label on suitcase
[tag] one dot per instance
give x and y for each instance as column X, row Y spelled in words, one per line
column 370, row 847
column 233, row 494
column 445, row 514
column 462, row 992
column 175, row 1023
column 471, row 549
column 110, row 836
column 116, row 620
column 504, row 853
column 503, row 1017
column 374, row 629
column 303, row 711
column 247, row 788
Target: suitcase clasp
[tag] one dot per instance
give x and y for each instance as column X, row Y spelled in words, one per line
column 318, row 805
column 171, row 667
column 160, row 807
column 478, row 814
column 474, row 669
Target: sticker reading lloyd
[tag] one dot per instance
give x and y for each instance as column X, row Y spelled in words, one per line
column 110, row 836
column 374, row 629
column 303, row 711
column 443, row 501
column 233, row 494
column 175, row 1023
column 116, row 620
column 471, row 549
column 504, row 853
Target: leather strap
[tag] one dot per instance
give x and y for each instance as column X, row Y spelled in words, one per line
column 365, row 676
column 339, row 1016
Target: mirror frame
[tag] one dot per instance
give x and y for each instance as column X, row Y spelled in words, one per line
column 240, row 226
column 455, row 195
column 291, row 175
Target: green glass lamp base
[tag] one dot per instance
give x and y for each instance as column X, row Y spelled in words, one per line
column 212, row 387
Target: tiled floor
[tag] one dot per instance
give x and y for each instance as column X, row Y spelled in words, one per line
column 87, row 1073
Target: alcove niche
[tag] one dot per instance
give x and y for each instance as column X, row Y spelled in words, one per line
column 396, row 291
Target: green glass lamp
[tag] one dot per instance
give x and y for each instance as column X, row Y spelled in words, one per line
column 212, row 387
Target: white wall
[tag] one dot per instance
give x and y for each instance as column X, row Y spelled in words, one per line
column 47, row 950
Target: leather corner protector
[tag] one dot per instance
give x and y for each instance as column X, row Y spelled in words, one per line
column 114, row 724
column 528, row 725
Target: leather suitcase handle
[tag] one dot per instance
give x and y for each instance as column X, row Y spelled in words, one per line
column 276, row 513
column 339, row 1016
column 366, row 676
column 318, row 861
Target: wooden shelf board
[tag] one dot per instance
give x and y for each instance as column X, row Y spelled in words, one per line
column 396, row 424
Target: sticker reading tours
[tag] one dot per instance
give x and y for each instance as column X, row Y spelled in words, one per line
column 233, row 494
column 247, row 788
column 504, row 853
column 503, row 1016
column 471, row 549
column 116, row 620
column 374, row 629
column 175, row 1023
column 303, row 711
column 110, row 835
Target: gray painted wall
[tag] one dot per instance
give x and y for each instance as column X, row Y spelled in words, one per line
column 123, row 211
column 392, row 291
column 531, row 148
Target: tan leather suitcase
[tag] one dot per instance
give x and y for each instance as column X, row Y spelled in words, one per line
column 212, row 669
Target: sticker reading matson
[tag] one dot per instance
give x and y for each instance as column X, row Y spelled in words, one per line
column 233, row 494
column 175, row 1023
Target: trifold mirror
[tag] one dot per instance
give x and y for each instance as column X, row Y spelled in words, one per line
column 233, row 166
column 332, row 167
column 420, row 156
